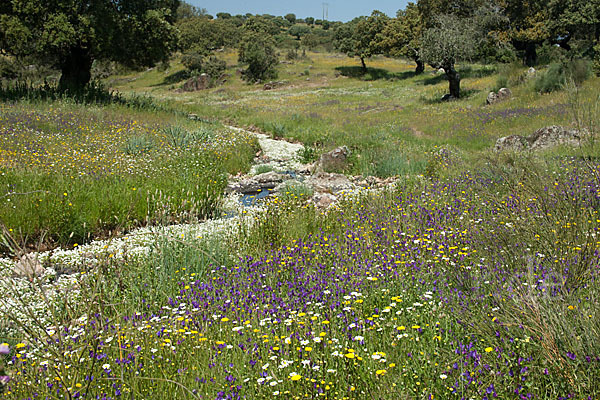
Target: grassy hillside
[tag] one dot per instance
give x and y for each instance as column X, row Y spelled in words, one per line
column 390, row 117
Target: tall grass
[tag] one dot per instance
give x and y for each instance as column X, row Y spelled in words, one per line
column 462, row 285
column 91, row 174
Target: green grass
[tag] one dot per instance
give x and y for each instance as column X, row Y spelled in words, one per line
column 476, row 276
column 71, row 173
column 416, row 292
column 389, row 108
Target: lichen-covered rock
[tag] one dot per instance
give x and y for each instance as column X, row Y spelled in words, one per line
column 335, row 160
column 541, row 139
column 28, row 266
column 551, row 136
column 324, row 200
column 511, row 143
column 200, row 82
column 503, row 94
column 329, row 183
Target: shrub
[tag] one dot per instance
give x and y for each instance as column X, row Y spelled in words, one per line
column 193, row 61
column 214, row 68
column 259, row 53
column 291, row 54
column 8, row 68
column 510, row 75
column 579, row 71
column 558, row 74
column 548, row 54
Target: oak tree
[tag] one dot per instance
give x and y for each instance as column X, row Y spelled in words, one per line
column 71, row 34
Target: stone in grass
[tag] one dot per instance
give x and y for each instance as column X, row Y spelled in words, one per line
column 266, row 181
column 551, row 136
column 541, row 139
column 335, row 160
column 324, row 200
column 29, row 267
column 200, row 82
column 503, row 94
column 269, row 177
column 511, row 143
column 323, row 182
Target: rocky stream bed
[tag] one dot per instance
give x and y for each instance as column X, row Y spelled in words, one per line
column 35, row 279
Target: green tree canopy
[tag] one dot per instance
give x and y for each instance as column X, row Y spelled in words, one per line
column 451, row 40
column 358, row 38
column 529, row 25
column 262, row 25
column 186, row 10
column 70, row 34
column 204, row 35
column 257, row 50
column 575, row 21
column 299, row 31
column 401, row 36
column 291, row 18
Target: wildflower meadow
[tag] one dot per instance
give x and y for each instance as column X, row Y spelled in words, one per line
column 454, row 272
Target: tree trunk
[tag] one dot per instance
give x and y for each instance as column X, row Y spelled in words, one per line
column 453, row 80
column 364, row 66
column 76, row 70
column 420, row 67
column 530, row 54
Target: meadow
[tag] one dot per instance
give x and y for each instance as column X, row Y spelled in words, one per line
column 59, row 162
column 325, row 102
column 474, row 276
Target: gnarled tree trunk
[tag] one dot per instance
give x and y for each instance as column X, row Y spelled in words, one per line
column 453, row 80
column 420, row 67
column 76, row 70
column 530, row 54
column 364, row 66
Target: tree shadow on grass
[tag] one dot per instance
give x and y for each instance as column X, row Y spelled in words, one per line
column 464, row 94
column 373, row 74
column 174, row 78
column 465, row 72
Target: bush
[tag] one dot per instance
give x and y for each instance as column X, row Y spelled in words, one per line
column 291, row 54
column 8, row 68
column 259, row 53
column 551, row 80
column 579, row 71
column 193, row 61
column 214, row 68
column 548, row 54
column 558, row 74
